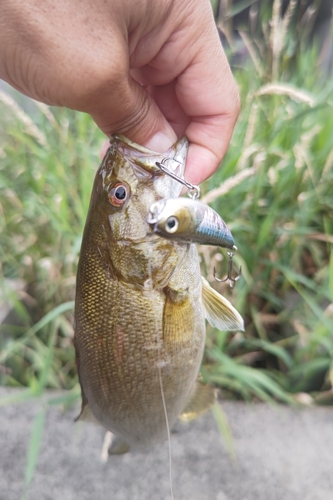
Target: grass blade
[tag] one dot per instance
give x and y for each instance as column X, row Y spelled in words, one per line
column 225, row 430
column 33, row 449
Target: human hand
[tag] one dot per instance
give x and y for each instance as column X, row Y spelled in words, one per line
column 150, row 70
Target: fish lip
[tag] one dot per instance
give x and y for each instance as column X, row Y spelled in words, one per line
column 122, row 141
column 146, row 159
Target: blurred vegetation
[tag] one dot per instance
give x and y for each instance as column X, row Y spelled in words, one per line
column 276, row 181
column 46, row 173
column 274, row 189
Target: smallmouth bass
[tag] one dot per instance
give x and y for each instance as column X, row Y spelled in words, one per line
column 141, row 303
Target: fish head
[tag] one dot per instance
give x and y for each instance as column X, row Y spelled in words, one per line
column 127, row 183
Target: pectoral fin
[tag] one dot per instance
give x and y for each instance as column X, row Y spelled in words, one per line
column 178, row 317
column 201, row 399
column 218, row 310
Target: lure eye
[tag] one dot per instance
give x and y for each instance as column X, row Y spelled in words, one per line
column 171, row 224
column 118, row 194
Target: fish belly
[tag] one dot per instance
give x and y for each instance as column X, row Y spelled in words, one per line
column 135, row 349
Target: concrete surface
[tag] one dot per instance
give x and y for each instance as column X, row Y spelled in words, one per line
column 282, row 454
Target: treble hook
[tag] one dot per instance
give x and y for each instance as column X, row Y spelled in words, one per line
column 232, row 281
column 193, row 190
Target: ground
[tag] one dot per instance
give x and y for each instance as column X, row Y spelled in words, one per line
column 282, row 454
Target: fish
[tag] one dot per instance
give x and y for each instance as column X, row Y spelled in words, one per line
column 141, row 304
column 189, row 220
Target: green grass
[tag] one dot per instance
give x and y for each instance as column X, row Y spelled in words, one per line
column 45, row 184
column 281, row 216
column 276, row 182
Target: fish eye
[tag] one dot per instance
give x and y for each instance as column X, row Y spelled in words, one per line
column 118, row 194
column 171, row 224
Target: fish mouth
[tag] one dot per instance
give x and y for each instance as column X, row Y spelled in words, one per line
column 146, row 160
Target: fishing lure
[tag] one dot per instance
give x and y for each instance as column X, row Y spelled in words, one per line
column 188, row 220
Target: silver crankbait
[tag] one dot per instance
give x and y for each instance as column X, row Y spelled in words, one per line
column 188, row 220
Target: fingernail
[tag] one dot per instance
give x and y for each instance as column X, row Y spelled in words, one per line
column 161, row 142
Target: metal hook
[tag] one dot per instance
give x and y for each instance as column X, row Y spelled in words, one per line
column 232, row 281
column 193, row 190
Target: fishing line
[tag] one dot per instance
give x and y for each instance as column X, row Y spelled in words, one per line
column 159, row 342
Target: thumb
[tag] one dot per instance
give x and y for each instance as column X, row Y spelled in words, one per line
column 131, row 111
